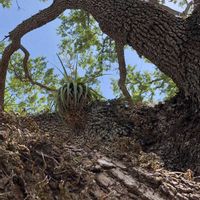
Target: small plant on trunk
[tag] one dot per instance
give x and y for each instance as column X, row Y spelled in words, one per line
column 73, row 98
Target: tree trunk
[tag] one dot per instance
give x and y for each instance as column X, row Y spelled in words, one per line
column 171, row 43
column 41, row 158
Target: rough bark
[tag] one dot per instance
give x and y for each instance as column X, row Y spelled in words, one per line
column 170, row 42
column 156, row 34
column 41, row 158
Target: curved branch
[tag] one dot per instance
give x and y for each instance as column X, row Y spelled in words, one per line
column 39, row 19
column 122, row 71
column 27, row 74
column 151, row 30
column 34, row 22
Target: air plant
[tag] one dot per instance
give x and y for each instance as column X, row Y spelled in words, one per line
column 74, row 96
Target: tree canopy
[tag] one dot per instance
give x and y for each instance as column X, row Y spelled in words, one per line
column 85, row 46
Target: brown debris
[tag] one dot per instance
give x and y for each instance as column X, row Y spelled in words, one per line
column 40, row 158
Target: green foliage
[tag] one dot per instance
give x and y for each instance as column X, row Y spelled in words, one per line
column 21, row 95
column 145, row 86
column 83, row 39
column 85, row 50
column 96, row 55
column 75, row 94
column 165, row 86
column 2, row 46
column 5, row 3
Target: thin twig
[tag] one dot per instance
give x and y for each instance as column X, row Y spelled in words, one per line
column 47, row 156
column 5, row 37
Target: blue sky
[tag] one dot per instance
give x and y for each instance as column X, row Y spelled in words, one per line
column 44, row 41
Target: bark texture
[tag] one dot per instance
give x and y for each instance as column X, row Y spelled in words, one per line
column 41, row 158
column 168, row 41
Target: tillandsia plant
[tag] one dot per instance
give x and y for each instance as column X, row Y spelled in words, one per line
column 73, row 97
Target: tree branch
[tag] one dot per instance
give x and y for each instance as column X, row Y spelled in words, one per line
column 122, row 71
column 152, row 31
column 34, row 22
column 27, row 74
column 18, row 6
